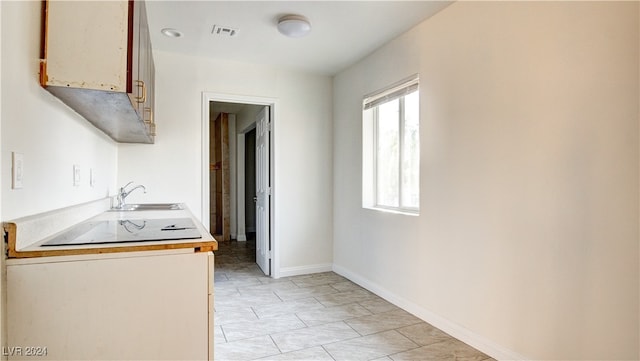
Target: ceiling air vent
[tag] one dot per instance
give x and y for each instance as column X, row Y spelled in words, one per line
column 224, row 31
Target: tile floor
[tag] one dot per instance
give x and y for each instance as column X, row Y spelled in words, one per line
column 314, row 317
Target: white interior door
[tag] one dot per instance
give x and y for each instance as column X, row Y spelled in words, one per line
column 263, row 191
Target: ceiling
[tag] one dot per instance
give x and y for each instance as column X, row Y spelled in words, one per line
column 231, row 108
column 343, row 32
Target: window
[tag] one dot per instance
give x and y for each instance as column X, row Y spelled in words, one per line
column 391, row 153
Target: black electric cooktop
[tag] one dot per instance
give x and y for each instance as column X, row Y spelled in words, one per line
column 128, row 230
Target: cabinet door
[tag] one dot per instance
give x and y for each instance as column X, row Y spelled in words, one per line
column 146, row 69
column 151, row 95
column 86, row 45
column 136, row 90
column 211, row 315
column 126, row 308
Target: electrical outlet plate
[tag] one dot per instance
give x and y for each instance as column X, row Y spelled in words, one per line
column 17, row 170
column 76, row 175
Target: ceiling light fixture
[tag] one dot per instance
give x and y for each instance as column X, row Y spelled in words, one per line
column 294, row 26
column 172, row 33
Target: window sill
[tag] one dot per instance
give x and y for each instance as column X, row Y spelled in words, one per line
column 405, row 212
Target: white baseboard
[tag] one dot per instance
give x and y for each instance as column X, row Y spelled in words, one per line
column 461, row 333
column 241, row 238
column 303, row 270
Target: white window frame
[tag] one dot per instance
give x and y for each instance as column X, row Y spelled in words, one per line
column 370, row 144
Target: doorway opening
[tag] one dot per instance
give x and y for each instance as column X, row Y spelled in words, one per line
column 237, row 191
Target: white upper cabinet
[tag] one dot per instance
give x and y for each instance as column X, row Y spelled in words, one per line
column 97, row 59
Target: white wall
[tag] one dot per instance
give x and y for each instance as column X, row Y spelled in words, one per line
column 171, row 169
column 527, row 239
column 50, row 135
column 247, row 117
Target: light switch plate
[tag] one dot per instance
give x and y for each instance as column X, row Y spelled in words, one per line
column 17, row 170
column 92, row 177
column 76, row 175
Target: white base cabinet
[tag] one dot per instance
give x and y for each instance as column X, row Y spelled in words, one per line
column 133, row 306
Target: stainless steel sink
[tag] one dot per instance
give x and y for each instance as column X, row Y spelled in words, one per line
column 149, row 207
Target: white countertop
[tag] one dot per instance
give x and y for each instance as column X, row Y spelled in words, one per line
column 32, row 226
column 128, row 215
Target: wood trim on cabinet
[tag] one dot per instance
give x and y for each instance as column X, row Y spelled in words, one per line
column 204, row 246
column 11, row 230
column 205, row 249
column 130, row 47
column 43, row 30
column 44, row 25
column 43, row 73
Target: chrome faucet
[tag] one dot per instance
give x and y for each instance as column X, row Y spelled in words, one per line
column 122, row 194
